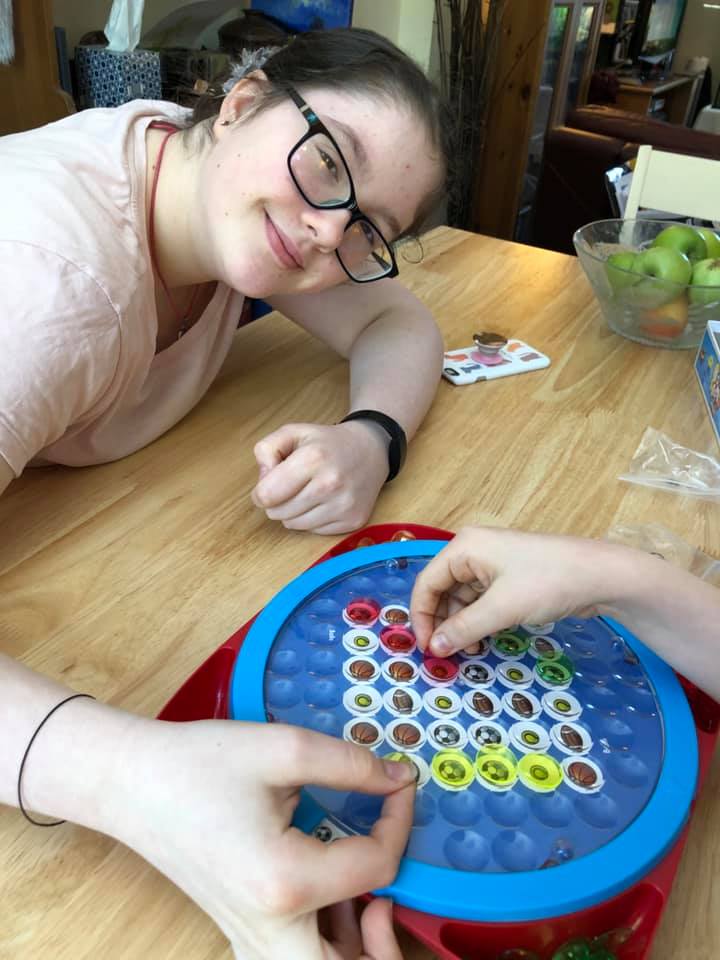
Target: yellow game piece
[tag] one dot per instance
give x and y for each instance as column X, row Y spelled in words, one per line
column 452, row 769
column 496, row 769
column 540, row 772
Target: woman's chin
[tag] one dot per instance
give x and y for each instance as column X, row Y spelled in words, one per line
column 256, row 285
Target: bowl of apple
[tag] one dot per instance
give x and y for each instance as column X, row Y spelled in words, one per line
column 657, row 281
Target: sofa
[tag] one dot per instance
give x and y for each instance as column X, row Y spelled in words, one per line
column 571, row 188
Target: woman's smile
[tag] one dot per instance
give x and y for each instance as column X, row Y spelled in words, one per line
column 282, row 247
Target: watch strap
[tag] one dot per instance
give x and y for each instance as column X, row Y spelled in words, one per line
column 398, row 441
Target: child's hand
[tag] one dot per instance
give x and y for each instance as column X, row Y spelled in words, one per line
column 211, row 805
column 320, row 478
column 488, row 579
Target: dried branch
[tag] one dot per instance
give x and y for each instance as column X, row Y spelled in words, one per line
column 468, row 58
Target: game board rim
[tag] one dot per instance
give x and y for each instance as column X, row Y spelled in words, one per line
column 501, row 897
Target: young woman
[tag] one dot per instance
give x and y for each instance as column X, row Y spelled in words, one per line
column 126, row 248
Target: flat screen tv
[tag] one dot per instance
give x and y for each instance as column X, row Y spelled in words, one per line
column 656, row 28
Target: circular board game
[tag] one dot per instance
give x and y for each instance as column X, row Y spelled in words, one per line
column 555, row 766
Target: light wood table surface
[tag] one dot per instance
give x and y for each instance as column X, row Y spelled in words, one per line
column 121, row 579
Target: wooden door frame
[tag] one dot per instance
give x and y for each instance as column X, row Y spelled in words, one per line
column 31, row 92
column 496, row 190
column 498, row 182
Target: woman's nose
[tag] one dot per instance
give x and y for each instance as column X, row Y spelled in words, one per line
column 326, row 227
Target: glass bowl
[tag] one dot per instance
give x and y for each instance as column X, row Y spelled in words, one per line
column 649, row 310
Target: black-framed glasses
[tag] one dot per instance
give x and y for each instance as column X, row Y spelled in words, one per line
column 320, row 173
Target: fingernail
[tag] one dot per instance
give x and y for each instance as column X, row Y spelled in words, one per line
column 440, row 645
column 399, row 770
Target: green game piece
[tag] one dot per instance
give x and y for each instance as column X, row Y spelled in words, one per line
column 557, row 672
column 574, row 950
column 511, row 643
column 583, row 950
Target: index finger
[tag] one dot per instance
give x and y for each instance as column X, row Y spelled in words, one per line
column 283, row 482
column 309, row 757
column 431, row 585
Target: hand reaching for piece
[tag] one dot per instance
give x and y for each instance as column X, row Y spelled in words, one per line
column 488, row 579
column 217, row 801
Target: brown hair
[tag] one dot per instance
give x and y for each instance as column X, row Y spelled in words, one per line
column 354, row 61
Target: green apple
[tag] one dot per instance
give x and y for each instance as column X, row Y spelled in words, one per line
column 705, row 284
column 664, row 271
column 712, row 241
column 684, row 239
column 619, row 271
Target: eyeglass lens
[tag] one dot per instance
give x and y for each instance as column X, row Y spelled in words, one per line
column 321, row 174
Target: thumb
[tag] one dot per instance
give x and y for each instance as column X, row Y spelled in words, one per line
column 378, row 934
column 324, row 761
column 497, row 609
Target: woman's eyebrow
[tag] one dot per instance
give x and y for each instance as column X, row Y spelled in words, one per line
column 360, row 155
column 355, row 144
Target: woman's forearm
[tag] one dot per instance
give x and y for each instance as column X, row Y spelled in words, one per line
column 395, row 365
column 77, row 767
column 672, row 611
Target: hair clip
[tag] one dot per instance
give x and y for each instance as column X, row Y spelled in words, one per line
column 249, row 60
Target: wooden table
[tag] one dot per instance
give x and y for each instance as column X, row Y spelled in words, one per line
column 121, row 579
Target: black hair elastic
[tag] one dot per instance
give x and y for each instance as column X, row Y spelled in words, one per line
column 39, row 823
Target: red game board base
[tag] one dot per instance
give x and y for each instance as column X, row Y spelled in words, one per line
column 629, row 920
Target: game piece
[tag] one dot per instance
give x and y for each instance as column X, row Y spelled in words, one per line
column 583, row 950
column 554, row 767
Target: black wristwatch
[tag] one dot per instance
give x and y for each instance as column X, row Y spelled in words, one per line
column 398, row 440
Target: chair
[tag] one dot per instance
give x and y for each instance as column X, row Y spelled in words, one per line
column 708, row 119
column 572, row 191
column 675, row 183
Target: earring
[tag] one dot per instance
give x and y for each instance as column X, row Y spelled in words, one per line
column 226, row 123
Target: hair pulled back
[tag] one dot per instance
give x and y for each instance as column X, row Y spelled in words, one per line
column 352, row 61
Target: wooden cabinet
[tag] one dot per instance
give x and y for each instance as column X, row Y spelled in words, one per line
column 30, row 92
column 547, row 54
column 672, row 99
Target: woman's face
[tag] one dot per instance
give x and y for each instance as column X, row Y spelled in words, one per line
column 262, row 237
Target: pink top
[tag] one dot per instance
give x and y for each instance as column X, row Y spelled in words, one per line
column 80, row 382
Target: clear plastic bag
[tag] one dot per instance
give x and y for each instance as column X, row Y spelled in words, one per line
column 660, row 462
column 656, row 539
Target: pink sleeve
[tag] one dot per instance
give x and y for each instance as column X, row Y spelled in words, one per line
column 59, row 348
